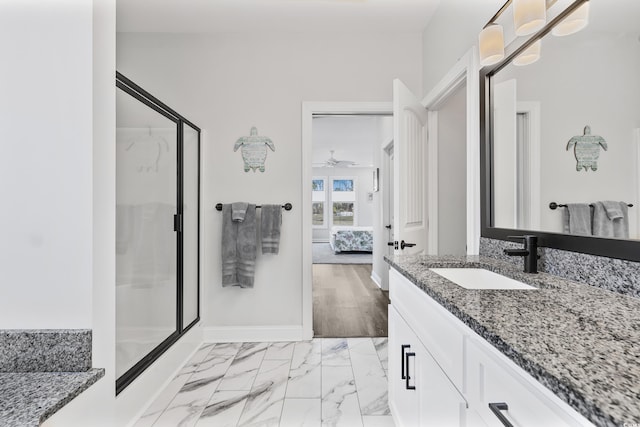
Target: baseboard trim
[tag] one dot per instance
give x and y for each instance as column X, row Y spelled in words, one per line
column 215, row 334
column 376, row 279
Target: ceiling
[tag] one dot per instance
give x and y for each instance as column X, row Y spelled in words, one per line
column 352, row 138
column 215, row 16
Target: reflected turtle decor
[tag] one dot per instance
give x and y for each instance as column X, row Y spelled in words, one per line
column 254, row 150
column 587, row 149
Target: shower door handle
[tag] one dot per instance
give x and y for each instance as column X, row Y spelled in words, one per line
column 177, row 223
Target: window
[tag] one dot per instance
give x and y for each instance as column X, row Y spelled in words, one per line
column 318, row 202
column 343, row 201
column 345, row 185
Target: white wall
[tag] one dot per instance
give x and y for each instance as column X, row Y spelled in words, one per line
column 451, row 32
column 452, row 175
column 46, row 181
column 364, row 186
column 227, row 83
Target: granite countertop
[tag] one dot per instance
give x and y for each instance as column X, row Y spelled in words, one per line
column 29, row 398
column 581, row 342
column 41, row 370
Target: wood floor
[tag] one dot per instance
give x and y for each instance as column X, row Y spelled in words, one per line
column 347, row 303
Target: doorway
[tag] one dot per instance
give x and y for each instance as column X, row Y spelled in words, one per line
column 344, row 239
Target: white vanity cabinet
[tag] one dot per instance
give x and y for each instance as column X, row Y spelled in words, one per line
column 455, row 375
column 420, row 393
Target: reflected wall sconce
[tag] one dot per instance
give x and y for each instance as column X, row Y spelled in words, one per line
column 574, row 22
column 529, row 16
column 529, row 55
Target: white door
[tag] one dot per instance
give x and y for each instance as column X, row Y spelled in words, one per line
column 504, row 154
column 388, row 220
column 410, row 178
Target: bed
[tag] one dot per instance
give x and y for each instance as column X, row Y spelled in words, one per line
column 351, row 239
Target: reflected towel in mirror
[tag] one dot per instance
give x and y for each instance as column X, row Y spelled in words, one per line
column 577, row 219
column 605, row 226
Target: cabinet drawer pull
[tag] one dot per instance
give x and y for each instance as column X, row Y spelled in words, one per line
column 496, row 408
column 403, row 347
column 409, row 387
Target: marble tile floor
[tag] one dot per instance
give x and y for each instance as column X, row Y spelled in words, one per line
column 323, row 382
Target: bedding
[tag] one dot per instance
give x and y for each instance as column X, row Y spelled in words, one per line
column 351, row 239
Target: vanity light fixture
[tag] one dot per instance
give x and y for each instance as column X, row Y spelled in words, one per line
column 573, row 23
column 529, row 16
column 529, row 55
column 491, row 44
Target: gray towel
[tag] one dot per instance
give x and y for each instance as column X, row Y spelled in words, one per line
column 271, row 218
column 577, row 219
column 238, row 211
column 614, row 210
column 603, row 226
column 238, row 248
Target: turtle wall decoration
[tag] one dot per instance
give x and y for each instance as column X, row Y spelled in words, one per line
column 254, row 150
column 587, row 149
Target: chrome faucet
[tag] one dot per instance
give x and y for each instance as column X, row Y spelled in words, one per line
column 529, row 252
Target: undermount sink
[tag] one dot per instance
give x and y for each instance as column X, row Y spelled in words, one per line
column 479, row 278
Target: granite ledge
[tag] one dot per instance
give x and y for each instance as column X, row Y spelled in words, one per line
column 28, row 398
column 45, row 350
column 584, row 347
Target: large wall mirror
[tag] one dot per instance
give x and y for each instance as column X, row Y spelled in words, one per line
column 565, row 129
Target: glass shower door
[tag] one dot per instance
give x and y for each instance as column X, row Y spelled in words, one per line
column 146, row 243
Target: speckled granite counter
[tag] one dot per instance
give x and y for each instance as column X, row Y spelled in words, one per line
column 581, row 342
column 29, row 398
column 41, row 370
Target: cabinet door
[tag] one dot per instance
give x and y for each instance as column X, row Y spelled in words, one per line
column 440, row 402
column 515, row 398
column 403, row 400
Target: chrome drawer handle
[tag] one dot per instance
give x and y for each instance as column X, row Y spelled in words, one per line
column 496, row 408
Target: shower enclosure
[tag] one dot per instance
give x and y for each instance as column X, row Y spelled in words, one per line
column 157, row 228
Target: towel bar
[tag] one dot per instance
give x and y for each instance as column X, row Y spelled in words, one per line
column 554, row 205
column 286, row 206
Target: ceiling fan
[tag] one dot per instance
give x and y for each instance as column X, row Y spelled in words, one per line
column 332, row 162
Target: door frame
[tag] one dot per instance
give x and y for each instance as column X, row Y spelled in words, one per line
column 532, row 110
column 636, row 141
column 309, row 109
column 465, row 71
